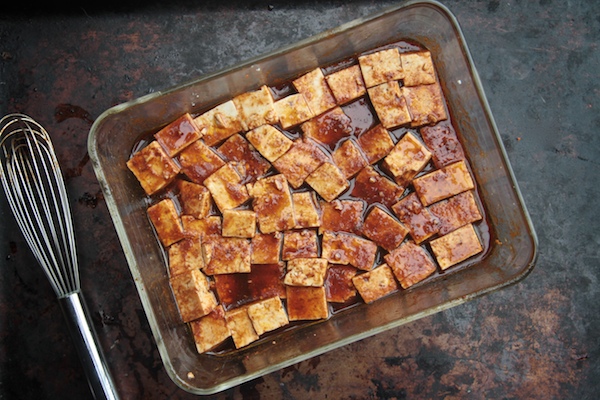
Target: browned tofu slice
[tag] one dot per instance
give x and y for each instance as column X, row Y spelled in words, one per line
column 300, row 244
column 241, row 327
column 456, row 211
column 384, row 229
column 219, row 123
column 256, row 108
column 346, row 248
column 443, row 183
column 349, row 158
column 250, row 163
column 239, row 223
column 153, row 168
column 265, row 248
column 226, row 255
column 198, row 161
column 233, row 290
column 419, row 221
column 374, row 188
column 193, row 295
column 338, row 283
column 443, row 142
column 342, row 216
column 410, row 264
column 226, row 187
column 267, row 315
column 292, row 110
column 346, row 84
column 194, row 199
column 328, row 181
column 272, row 202
column 376, row 143
column 418, row 68
column 376, row 283
column 315, row 90
column 390, row 104
column 185, row 255
column 329, row 127
column 408, row 157
column 166, row 222
column 306, row 303
column 306, row 213
column 178, row 134
column 306, row 272
column 269, row 141
column 210, row 330
column 456, row 246
column 266, row 280
column 211, row 225
column 381, row 66
column 425, row 103
column 300, row 161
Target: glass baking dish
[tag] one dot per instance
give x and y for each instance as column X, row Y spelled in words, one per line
column 509, row 258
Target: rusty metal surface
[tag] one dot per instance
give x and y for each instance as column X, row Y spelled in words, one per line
column 538, row 62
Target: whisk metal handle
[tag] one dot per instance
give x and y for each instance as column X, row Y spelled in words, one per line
column 88, row 348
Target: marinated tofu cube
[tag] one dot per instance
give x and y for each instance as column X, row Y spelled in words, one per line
column 233, row 290
column 269, row 141
column 185, row 255
column 178, row 134
column 419, row 221
column 373, row 188
column 349, row 158
column 226, row 255
column 210, row 330
column 241, row 327
column 376, row 283
column 198, row 162
column 381, row 66
column 338, row 283
column 306, row 213
column 266, row 280
column 329, row 127
column 342, row 216
column 193, row 295
column 300, row 244
column 346, row 248
column 250, row 163
column 425, row 103
column 226, row 187
column 390, row 104
column 384, row 229
column 376, row 143
column 328, row 181
column 410, row 264
column 300, row 161
column 346, row 84
column 443, row 183
column 316, row 91
column 203, row 227
column 306, row 272
column 456, row 246
column 306, row 303
column 153, row 168
column 239, row 223
column 408, row 157
column 265, row 248
column 219, row 123
column 256, row 108
column 418, row 68
column 267, row 315
column 456, row 211
column 443, row 142
column 292, row 110
column 194, row 199
column 272, row 202
column 166, row 222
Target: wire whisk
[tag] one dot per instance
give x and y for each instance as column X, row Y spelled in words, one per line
column 36, row 193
